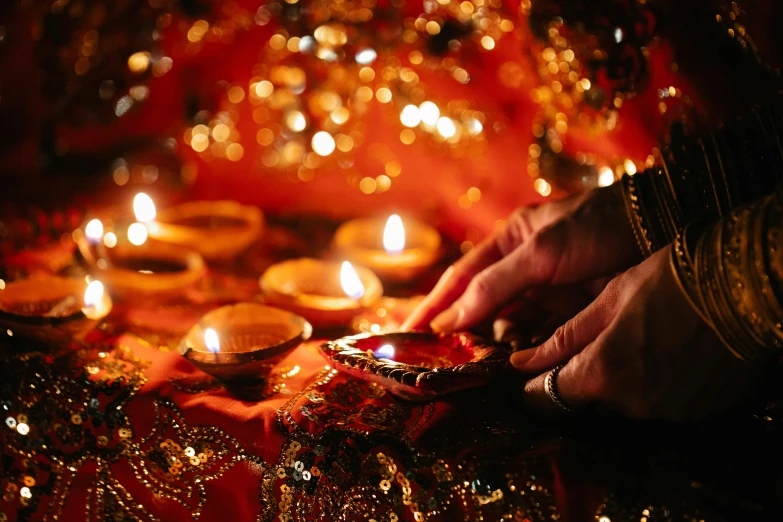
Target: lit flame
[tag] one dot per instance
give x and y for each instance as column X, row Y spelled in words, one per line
column 385, row 352
column 94, row 230
column 350, row 281
column 211, row 340
column 394, row 235
column 137, row 234
column 143, row 207
column 93, row 294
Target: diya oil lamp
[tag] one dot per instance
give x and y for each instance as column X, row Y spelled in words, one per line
column 396, row 251
column 419, row 366
column 218, row 230
column 241, row 343
column 131, row 266
column 327, row 293
column 52, row 309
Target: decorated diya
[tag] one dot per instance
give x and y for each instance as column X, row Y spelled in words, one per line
column 420, row 366
column 242, row 343
column 326, row 293
column 52, row 309
column 394, row 250
column 218, row 230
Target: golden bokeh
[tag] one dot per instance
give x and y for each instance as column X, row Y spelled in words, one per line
column 264, row 88
column 221, row 132
column 393, row 169
column 236, row 94
column 234, row 152
column 366, row 74
column 382, row 183
column 364, row 94
column 265, row 137
column 383, row 94
column 138, row 62
column 340, row 115
column 200, row 142
column 488, row 43
column 367, row 185
column 407, row 136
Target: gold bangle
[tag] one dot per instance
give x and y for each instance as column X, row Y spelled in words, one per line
column 685, row 276
column 634, row 216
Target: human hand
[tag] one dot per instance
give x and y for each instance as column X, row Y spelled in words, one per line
column 640, row 350
column 570, row 241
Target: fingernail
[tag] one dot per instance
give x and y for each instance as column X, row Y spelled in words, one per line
column 447, row 320
column 520, row 359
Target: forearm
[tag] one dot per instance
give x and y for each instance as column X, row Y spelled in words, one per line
column 732, row 273
column 703, row 178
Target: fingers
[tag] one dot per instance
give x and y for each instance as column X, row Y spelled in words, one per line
column 567, row 384
column 569, row 339
column 520, row 227
column 530, row 264
column 453, row 283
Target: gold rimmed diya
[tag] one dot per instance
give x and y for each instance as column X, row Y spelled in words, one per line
column 419, row 366
column 52, row 309
column 242, row 343
column 393, row 249
column 327, row 293
column 134, row 268
column 218, row 230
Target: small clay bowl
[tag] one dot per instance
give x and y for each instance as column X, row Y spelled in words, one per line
column 419, row 366
column 50, row 310
column 218, row 230
column 153, row 271
column 361, row 241
column 253, row 339
column 311, row 288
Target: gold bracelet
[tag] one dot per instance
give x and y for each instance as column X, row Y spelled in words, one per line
column 634, row 216
column 685, row 275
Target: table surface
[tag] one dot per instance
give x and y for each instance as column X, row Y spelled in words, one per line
column 123, row 428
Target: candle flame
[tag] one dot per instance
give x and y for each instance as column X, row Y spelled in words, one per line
column 211, row 340
column 93, row 294
column 385, row 352
column 394, row 235
column 350, row 281
column 137, row 234
column 94, row 230
column 143, row 207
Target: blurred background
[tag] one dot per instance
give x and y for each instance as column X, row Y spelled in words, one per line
column 455, row 112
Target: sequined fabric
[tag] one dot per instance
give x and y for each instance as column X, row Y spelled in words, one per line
column 108, row 433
